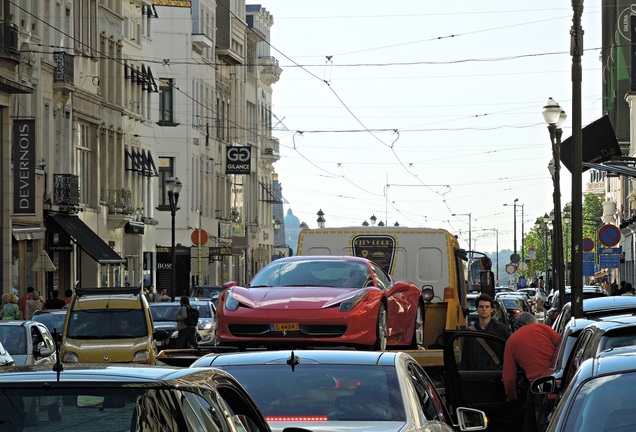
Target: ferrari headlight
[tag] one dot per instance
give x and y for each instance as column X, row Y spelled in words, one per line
column 231, row 303
column 347, row 305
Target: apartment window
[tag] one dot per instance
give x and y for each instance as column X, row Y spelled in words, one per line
column 84, row 166
column 166, row 170
column 166, row 102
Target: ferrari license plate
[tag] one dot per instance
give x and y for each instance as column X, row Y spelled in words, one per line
column 286, row 327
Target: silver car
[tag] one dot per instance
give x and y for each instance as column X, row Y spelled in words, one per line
column 164, row 317
column 29, row 342
column 342, row 390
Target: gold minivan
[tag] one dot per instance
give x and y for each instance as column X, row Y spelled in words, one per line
column 108, row 325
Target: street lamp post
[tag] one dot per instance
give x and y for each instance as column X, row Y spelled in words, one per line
column 173, row 187
column 554, row 116
column 470, row 228
column 576, row 50
column 514, row 226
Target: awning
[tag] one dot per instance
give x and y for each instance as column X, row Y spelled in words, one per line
column 613, row 167
column 87, row 239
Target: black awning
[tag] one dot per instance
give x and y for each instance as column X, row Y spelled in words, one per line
column 87, row 239
column 629, row 171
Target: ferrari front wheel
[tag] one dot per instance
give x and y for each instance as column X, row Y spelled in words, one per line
column 381, row 330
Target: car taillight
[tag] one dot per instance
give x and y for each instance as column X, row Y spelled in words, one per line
column 554, row 314
column 517, row 312
column 299, row 418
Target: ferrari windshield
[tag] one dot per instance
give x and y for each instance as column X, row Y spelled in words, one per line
column 327, row 273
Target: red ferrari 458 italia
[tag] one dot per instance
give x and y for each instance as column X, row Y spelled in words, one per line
column 321, row 301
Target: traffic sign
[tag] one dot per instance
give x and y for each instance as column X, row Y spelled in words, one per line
column 588, row 244
column 511, row 268
column 609, row 235
column 515, row 258
column 199, row 237
column 609, row 260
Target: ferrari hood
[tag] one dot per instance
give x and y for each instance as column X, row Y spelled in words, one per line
column 296, row 297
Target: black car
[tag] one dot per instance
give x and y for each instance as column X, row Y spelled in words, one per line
column 600, row 396
column 589, row 291
column 106, row 397
column 514, row 306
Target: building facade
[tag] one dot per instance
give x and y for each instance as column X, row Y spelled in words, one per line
column 101, row 102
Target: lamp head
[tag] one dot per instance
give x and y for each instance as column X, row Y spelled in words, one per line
column 551, row 112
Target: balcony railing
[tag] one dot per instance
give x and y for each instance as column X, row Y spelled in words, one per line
column 65, row 69
column 120, row 201
column 9, row 41
column 66, row 190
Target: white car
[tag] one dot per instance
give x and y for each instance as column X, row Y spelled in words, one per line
column 29, row 342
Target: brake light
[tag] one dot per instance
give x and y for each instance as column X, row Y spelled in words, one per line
column 517, row 312
column 449, row 293
column 554, row 314
column 296, row 418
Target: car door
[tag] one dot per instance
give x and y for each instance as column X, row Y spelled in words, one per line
column 466, row 386
column 42, row 346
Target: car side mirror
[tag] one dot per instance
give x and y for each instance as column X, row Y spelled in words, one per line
column 43, row 352
column 544, row 385
column 470, row 419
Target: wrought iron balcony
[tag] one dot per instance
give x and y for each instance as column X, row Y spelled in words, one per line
column 9, row 42
column 66, row 190
column 120, row 202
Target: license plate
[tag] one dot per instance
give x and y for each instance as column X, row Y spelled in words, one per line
column 286, row 327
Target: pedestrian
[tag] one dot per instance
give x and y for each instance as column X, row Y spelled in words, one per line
column 522, row 282
column 152, row 295
column 10, row 309
column 530, row 348
column 33, row 304
column 23, row 301
column 478, row 353
column 187, row 333
column 163, row 296
column 68, row 296
column 629, row 290
column 55, row 302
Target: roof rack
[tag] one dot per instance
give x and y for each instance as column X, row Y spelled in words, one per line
column 107, row 290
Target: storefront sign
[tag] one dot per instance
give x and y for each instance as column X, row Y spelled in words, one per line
column 24, row 166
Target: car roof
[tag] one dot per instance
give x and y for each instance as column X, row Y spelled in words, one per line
column 178, row 303
column 100, row 373
column 50, row 312
column 617, row 360
column 608, row 303
column 342, row 357
column 613, row 322
column 321, row 258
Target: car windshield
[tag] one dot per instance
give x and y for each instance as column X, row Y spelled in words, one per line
column 324, row 273
column 330, row 392
column 107, row 324
column 13, row 338
column 105, row 409
column 471, row 304
column 168, row 312
column 207, row 291
column 510, row 302
column 604, row 404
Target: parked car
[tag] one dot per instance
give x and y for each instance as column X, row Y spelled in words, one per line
column 28, row 342
column 108, row 325
column 613, row 332
column 499, row 313
column 53, row 319
column 164, row 317
column 589, row 291
column 128, row 398
column 342, row 390
column 322, row 301
column 600, row 395
column 536, row 295
column 597, row 307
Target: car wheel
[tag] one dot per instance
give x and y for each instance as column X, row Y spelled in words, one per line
column 381, row 330
column 418, row 329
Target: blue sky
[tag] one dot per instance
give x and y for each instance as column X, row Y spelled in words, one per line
column 418, row 110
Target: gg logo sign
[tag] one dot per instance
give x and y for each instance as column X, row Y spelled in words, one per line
column 238, row 160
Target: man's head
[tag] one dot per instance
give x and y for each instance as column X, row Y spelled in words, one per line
column 185, row 300
column 30, row 289
column 55, row 294
column 484, row 304
column 524, row 318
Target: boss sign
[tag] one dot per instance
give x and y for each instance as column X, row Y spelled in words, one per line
column 238, row 160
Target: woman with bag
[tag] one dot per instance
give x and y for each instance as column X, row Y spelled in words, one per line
column 187, row 332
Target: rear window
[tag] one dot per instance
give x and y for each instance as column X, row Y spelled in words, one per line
column 13, row 338
column 342, row 392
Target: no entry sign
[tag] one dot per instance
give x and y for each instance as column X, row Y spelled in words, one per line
column 609, row 235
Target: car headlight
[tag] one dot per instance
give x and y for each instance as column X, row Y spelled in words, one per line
column 205, row 326
column 231, row 303
column 70, row 357
column 347, row 305
column 141, row 356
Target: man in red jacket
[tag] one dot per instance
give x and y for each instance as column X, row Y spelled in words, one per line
column 530, row 347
